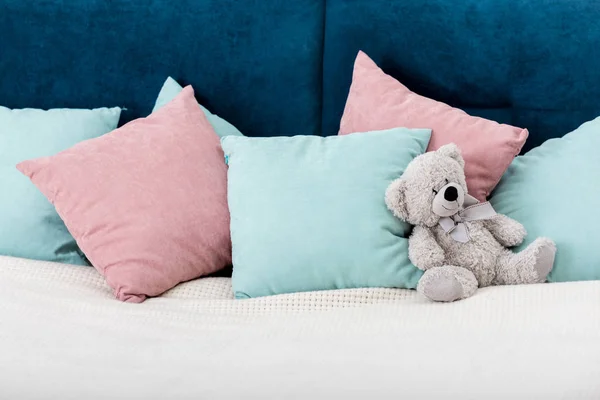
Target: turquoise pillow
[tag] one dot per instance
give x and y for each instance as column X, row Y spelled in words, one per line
column 308, row 212
column 29, row 224
column 171, row 89
column 554, row 191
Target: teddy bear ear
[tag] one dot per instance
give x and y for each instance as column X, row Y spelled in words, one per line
column 395, row 199
column 451, row 150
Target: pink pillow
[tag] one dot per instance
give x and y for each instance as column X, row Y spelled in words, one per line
column 377, row 101
column 146, row 203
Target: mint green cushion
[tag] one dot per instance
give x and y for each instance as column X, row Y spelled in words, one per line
column 554, row 191
column 171, row 89
column 308, row 213
column 29, row 224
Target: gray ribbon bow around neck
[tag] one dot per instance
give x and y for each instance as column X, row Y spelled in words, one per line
column 455, row 225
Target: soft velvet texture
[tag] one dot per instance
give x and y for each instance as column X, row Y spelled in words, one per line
column 147, row 202
column 378, row 101
column 256, row 63
column 520, row 62
column 171, row 89
column 553, row 191
column 29, row 224
column 308, row 213
column 274, row 67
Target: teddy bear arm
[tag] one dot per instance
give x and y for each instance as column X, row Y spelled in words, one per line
column 507, row 231
column 423, row 250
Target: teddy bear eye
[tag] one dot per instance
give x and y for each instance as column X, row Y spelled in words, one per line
column 447, row 182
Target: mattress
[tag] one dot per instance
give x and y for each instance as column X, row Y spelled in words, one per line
column 62, row 335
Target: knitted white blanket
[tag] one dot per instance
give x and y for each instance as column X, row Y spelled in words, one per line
column 63, row 336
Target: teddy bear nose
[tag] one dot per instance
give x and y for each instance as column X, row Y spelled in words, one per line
column 450, row 194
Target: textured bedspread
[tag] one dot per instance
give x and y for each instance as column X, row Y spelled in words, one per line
column 63, row 336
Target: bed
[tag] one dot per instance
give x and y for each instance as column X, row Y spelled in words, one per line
column 63, row 335
column 275, row 67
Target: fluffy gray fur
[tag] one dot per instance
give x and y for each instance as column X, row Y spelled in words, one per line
column 454, row 270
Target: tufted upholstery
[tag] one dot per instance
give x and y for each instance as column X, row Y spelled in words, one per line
column 283, row 67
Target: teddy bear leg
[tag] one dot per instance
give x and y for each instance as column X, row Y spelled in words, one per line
column 531, row 265
column 447, row 283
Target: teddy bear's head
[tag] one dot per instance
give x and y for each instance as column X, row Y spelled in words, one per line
column 432, row 186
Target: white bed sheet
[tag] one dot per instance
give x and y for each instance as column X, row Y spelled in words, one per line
column 63, row 336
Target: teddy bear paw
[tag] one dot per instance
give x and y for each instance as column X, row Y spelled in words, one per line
column 440, row 284
column 544, row 258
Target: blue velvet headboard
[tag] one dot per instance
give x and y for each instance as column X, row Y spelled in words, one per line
column 257, row 63
column 533, row 64
column 283, row 67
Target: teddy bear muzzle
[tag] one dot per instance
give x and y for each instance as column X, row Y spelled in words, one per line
column 448, row 200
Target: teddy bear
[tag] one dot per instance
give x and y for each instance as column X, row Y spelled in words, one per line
column 460, row 243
